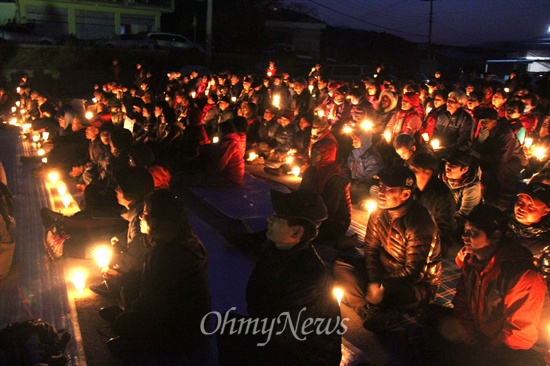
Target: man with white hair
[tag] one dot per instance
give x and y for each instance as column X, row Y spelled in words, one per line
column 453, row 128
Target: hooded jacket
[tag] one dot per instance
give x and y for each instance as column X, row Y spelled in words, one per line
column 364, row 162
column 231, row 160
column 500, row 301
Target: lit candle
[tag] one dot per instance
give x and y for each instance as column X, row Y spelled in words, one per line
column 435, row 144
column 296, row 171
column 23, row 111
column 41, row 152
column 102, row 255
column 367, row 125
column 66, row 199
column 79, row 280
column 428, row 110
column 45, row 135
column 310, row 87
column 540, row 152
column 338, row 293
column 193, row 95
column 269, row 73
column 13, row 121
column 18, row 89
column 321, row 113
column 35, row 138
column 94, row 100
column 233, row 99
column 289, row 159
column 206, row 92
column 347, row 129
column 387, row 136
column 216, row 139
column 252, row 156
column 528, row 142
column 426, row 136
column 26, row 127
column 53, row 177
column 45, row 160
column 13, row 109
column 62, row 189
column 17, row 103
column 89, row 115
column 277, row 101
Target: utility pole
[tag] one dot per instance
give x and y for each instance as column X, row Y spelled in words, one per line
column 430, row 28
column 209, row 5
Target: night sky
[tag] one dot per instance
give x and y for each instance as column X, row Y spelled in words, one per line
column 457, row 22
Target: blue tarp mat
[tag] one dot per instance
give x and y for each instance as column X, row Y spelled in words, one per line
column 249, row 203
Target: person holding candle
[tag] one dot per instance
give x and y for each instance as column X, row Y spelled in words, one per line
column 174, row 295
column 401, row 269
column 453, row 128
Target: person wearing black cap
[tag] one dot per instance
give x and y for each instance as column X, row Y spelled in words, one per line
column 500, row 154
column 290, row 277
column 499, row 296
column 529, row 225
column 463, row 176
column 401, row 270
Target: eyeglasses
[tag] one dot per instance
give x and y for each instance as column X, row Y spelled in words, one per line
column 451, row 101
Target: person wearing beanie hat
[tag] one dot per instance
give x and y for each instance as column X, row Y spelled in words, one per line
column 498, row 305
column 289, row 277
column 401, row 270
column 407, row 119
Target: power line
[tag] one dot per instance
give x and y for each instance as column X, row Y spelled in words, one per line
column 364, row 21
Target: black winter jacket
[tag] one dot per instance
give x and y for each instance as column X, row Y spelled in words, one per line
column 289, row 281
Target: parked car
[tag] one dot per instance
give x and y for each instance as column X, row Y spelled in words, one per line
column 151, row 40
column 347, row 72
column 19, row 33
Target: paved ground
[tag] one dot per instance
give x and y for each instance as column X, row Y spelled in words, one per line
column 40, row 288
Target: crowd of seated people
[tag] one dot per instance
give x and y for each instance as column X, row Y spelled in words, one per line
column 446, row 146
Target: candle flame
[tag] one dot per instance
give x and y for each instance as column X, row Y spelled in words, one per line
column 102, row 255
column 79, row 280
column 338, row 292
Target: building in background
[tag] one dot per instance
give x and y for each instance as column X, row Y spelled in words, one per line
column 86, row 19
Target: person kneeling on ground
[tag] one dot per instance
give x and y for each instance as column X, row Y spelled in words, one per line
column 401, row 270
